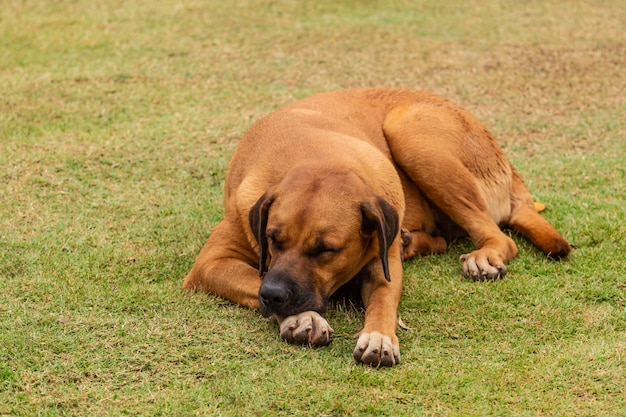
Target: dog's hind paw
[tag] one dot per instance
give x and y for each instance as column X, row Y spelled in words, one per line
column 376, row 349
column 479, row 266
column 308, row 328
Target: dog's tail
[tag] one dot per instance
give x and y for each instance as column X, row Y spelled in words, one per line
column 526, row 220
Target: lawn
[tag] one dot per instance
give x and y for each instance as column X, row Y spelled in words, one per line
column 117, row 120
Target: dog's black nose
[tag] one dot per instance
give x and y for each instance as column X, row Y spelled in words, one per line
column 274, row 295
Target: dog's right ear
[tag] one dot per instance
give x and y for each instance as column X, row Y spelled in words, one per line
column 258, row 223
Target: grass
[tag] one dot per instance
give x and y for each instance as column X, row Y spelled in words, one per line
column 117, row 120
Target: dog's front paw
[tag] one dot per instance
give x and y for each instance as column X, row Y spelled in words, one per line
column 376, row 349
column 479, row 265
column 308, row 328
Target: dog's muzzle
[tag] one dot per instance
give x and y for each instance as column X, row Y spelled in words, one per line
column 283, row 296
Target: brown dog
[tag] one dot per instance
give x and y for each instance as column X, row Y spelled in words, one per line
column 317, row 193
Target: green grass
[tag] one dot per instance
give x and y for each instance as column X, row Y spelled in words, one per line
column 117, row 121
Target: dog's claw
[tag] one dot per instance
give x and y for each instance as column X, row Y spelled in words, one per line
column 375, row 349
column 480, row 266
column 308, row 328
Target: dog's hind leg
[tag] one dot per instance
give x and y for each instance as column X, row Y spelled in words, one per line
column 418, row 242
column 418, row 224
column 529, row 223
column 456, row 164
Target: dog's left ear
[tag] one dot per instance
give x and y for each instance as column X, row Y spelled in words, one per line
column 380, row 217
column 258, row 223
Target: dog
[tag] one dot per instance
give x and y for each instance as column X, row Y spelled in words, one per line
column 342, row 187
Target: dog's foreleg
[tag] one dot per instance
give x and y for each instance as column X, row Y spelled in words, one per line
column 377, row 343
column 221, row 269
column 307, row 328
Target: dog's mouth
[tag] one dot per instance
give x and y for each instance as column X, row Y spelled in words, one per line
column 268, row 310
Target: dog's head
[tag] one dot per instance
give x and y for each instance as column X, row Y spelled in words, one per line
column 316, row 230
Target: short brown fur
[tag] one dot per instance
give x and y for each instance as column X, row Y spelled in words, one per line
column 316, row 193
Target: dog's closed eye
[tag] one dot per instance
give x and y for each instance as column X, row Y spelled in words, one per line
column 322, row 249
column 275, row 243
column 273, row 237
